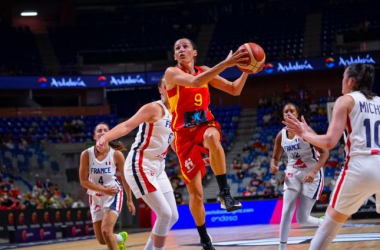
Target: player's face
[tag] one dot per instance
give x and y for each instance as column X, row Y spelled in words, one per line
column 100, row 130
column 290, row 110
column 184, row 51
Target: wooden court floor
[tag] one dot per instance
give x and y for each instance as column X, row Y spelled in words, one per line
column 250, row 236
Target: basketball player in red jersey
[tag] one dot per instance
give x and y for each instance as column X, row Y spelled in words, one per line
column 195, row 128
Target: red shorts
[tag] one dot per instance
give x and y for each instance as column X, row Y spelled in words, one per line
column 189, row 147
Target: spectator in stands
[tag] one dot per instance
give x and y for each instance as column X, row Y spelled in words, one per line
column 240, row 174
column 79, row 203
column 267, row 119
column 68, row 200
column 268, row 190
column 236, row 165
column 178, row 197
column 274, row 182
column 255, row 182
column 259, row 171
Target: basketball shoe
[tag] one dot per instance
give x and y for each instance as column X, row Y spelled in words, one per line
column 208, row 245
column 227, row 202
column 121, row 244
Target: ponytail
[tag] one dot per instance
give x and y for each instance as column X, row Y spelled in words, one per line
column 118, row 146
column 363, row 75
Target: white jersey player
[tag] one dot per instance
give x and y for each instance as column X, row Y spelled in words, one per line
column 145, row 165
column 97, row 174
column 303, row 176
column 357, row 112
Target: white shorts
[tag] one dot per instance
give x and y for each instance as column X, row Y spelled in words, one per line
column 146, row 176
column 358, row 180
column 293, row 180
column 101, row 203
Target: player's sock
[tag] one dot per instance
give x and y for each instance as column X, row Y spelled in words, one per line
column 282, row 246
column 203, row 233
column 325, row 233
column 118, row 238
column 158, row 248
column 222, row 181
column 149, row 244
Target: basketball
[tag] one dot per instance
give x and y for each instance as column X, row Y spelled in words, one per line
column 255, row 59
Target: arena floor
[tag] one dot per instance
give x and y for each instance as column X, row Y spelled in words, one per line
column 356, row 234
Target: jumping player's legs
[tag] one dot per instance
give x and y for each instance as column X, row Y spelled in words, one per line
column 303, row 212
column 197, row 208
column 211, row 141
column 289, row 205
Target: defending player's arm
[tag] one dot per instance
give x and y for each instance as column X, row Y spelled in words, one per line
column 175, row 76
column 119, row 162
column 277, row 152
column 338, row 123
column 146, row 113
column 83, row 177
column 233, row 88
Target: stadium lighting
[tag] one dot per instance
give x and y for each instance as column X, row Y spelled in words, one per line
column 29, row 13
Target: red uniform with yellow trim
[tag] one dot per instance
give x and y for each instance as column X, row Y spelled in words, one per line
column 191, row 117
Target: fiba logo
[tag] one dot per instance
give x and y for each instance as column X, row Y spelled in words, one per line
column 102, row 81
column 268, row 68
column 43, row 82
column 330, row 62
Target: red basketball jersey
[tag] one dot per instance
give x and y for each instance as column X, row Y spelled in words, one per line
column 189, row 105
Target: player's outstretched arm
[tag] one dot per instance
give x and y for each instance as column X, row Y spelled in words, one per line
column 342, row 107
column 175, row 76
column 146, row 113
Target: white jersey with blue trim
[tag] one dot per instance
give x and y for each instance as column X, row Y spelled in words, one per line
column 301, row 154
column 363, row 125
column 153, row 139
column 102, row 172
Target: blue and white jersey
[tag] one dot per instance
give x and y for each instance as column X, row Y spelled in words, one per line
column 363, row 125
column 102, row 172
column 301, row 154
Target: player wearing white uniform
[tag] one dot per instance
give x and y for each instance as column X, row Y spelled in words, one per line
column 303, row 176
column 145, row 165
column 357, row 111
column 97, row 174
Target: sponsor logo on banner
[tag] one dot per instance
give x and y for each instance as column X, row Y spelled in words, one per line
column 343, row 61
column 128, row 80
column 268, row 68
column 58, row 83
column 102, row 81
column 43, row 82
column 294, row 66
column 330, row 62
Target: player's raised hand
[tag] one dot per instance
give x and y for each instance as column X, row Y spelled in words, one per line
column 236, row 58
column 101, row 144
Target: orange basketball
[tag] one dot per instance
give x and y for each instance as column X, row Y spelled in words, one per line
column 255, row 59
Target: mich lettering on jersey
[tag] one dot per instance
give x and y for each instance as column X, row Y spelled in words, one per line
column 369, row 107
